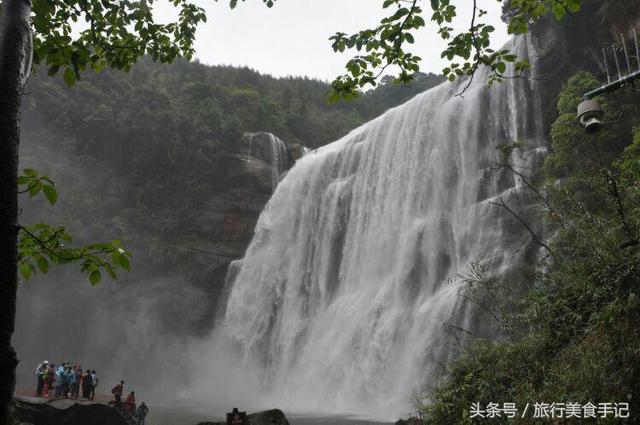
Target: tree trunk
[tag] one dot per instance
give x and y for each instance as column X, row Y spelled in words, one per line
column 15, row 39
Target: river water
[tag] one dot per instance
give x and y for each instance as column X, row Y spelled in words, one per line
column 177, row 413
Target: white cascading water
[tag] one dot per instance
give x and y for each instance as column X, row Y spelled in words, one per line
column 340, row 302
column 278, row 160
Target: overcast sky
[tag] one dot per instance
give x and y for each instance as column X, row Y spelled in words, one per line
column 292, row 37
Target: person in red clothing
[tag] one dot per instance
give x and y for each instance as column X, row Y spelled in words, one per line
column 117, row 393
column 130, row 403
column 49, row 380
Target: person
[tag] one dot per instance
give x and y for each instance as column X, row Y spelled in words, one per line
column 40, row 371
column 142, row 413
column 69, row 377
column 49, row 379
column 130, row 403
column 87, row 384
column 60, row 378
column 94, row 384
column 75, row 381
column 117, row 393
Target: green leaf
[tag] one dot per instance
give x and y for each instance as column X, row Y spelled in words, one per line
column 51, row 193
column 124, row 262
column 35, row 189
column 25, row 270
column 95, row 277
column 558, row 11
column 43, row 264
column 573, row 5
column 69, row 77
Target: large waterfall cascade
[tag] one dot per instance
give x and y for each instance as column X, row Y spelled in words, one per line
column 340, row 302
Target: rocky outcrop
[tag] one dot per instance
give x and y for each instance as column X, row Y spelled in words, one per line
column 240, row 189
column 267, row 417
column 37, row 411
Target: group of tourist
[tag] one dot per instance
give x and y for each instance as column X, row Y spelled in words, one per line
column 65, row 381
column 129, row 405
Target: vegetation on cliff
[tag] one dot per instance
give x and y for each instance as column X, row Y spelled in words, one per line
column 571, row 331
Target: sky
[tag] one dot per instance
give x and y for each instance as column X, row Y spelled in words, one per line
column 292, row 37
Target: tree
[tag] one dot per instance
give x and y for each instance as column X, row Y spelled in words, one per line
column 117, row 33
column 383, row 46
column 114, row 34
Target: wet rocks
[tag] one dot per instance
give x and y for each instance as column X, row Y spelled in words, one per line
column 37, row 411
column 267, row 417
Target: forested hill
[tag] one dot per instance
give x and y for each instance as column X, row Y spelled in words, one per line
column 155, row 157
column 196, row 103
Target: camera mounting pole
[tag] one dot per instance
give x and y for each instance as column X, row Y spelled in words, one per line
column 589, row 111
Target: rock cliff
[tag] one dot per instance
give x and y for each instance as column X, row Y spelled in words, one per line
column 239, row 192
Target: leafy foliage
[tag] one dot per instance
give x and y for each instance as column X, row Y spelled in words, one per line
column 574, row 328
column 73, row 36
column 35, row 183
column 383, row 46
column 40, row 245
column 113, row 34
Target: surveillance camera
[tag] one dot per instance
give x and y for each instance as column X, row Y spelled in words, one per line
column 590, row 116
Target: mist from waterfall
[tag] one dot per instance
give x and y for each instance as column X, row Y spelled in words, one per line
column 341, row 301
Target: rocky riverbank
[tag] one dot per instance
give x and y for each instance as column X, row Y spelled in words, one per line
column 40, row 411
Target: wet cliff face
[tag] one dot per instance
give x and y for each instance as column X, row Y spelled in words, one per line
column 241, row 188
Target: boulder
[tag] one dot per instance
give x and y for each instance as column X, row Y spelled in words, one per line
column 410, row 421
column 296, row 151
column 37, row 411
column 266, row 417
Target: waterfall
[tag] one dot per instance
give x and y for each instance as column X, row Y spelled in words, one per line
column 250, row 141
column 278, row 160
column 340, row 302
